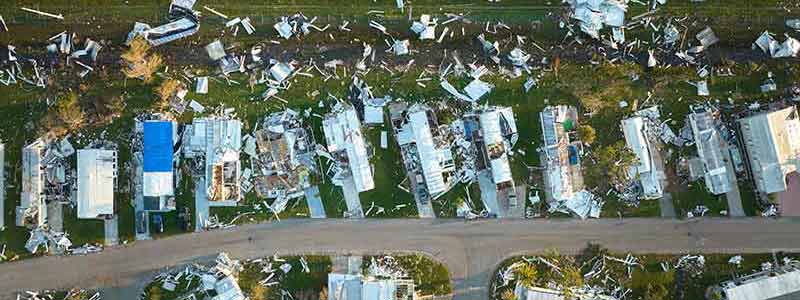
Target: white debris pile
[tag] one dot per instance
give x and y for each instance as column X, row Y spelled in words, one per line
column 593, row 16
column 770, row 46
column 221, row 279
column 425, row 28
column 582, row 204
column 276, row 269
column 297, row 25
column 386, row 267
column 694, row 265
column 475, row 90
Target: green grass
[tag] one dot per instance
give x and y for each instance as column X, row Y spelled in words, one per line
column 430, row 277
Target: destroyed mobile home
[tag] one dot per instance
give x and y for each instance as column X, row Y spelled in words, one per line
column 284, row 158
column 427, row 154
column 349, row 153
column 492, row 131
column 561, row 159
column 212, row 145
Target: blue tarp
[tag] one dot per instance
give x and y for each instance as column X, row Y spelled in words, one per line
column 158, row 146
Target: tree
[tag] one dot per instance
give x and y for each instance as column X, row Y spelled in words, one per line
column 587, row 134
column 656, row 291
column 527, row 275
column 611, row 165
column 571, row 278
column 508, row 294
column 70, row 112
column 154, row 293
column 259, row 292
column 166, row 90
column 140, row 64
column 323, row 294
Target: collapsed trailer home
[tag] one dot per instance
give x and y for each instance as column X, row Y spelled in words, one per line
column 359, row 287
column 97, row 176
column 32, row 211
column 214, row 144
column 350, row 153
column 493, row 131
column 772, row 148
column 781, row 282
column 286, row 158
column 710, row 150
column 427, row 156
column 645, row 172
column 563, row 178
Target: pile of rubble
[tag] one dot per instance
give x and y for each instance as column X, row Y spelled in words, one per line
column 71, row 294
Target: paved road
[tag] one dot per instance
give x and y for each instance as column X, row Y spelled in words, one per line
column 470, row 250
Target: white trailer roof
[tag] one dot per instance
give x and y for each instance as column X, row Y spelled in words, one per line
column 343, row 132
column 97, row 170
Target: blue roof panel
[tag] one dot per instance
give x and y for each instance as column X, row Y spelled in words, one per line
column 158, row 146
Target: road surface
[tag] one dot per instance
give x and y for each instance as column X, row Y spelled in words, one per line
column 471, row 250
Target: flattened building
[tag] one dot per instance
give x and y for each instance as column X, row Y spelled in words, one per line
column 32, row 210
column 710, row 149
column 493, row 131
column 636, row 138
column 347, row 145
column 427, row 157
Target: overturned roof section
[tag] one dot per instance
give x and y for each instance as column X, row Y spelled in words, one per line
column 172, row 31
column 343, row 134
column 158, row 180
column 772, row 142
column 709, row 148
column 97, row 171
column 634, row 130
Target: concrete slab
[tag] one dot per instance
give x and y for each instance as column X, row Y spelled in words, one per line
column 141, row 218
column 314, row 202
column 665, row 203
column 424, row 206
column 111, row 231
column 790, row 199
column 489, row 194
column 354, row 209
column 55, row 216
column 734, row 198
column 201, row 204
